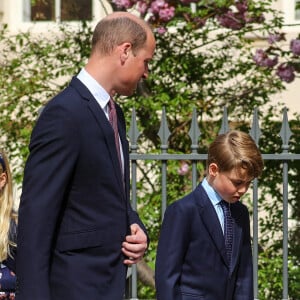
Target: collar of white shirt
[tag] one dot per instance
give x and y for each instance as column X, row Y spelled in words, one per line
column 95, row 88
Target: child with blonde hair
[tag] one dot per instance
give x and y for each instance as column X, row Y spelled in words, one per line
column 8, row 229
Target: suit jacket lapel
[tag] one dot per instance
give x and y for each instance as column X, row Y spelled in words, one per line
column 210, row 220
column 104, row 124
column 125, row 149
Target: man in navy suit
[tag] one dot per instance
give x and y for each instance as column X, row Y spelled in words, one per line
column 192, row 259
column 77, row 231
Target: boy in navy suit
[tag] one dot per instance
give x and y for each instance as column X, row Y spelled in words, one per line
column 194, row 260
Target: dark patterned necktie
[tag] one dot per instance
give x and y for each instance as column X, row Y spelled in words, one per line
column 114, row 123
column 228, row 228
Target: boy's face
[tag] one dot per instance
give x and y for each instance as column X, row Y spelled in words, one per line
column 231, row 185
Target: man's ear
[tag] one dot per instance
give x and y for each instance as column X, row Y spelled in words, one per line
column 125, row 51
column 213, row 169
column 3, row 180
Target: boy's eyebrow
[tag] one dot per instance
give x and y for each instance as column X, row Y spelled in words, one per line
column 241, row 180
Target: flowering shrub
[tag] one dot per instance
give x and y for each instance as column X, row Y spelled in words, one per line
column 295, row 47
column 233, row 15
column 262, row 59
column 230, row 14
column 269, row 57
column 286, row 72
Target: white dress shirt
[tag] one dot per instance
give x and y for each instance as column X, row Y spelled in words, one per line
column 101, row 95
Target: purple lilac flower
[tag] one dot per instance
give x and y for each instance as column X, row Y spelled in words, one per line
column 259, row 56
column 237, row 20
column 286, row 72
column 166, row 14
column 271, row 62
column 142, row 7
column 276, row 37
column 199, row 22
column 123, row 3
column 162, row 9
column 231, row 20
column 242, row 6
column 183, row 169
column 262, row 59
column 295, row 46
column 157, row 5
column 161, row 30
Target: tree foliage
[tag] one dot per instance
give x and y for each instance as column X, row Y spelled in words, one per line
column 34, row 67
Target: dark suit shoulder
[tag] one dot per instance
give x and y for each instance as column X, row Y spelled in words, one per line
column 75, row 91
column 192, row 200
column 70, row 102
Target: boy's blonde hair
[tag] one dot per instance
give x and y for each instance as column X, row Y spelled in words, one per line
column 236, row 150
column 6, row 209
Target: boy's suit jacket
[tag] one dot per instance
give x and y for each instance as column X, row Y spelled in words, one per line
column 191, row 260
column 74, row 212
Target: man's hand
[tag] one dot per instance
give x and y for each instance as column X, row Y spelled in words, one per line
column 135, row 245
